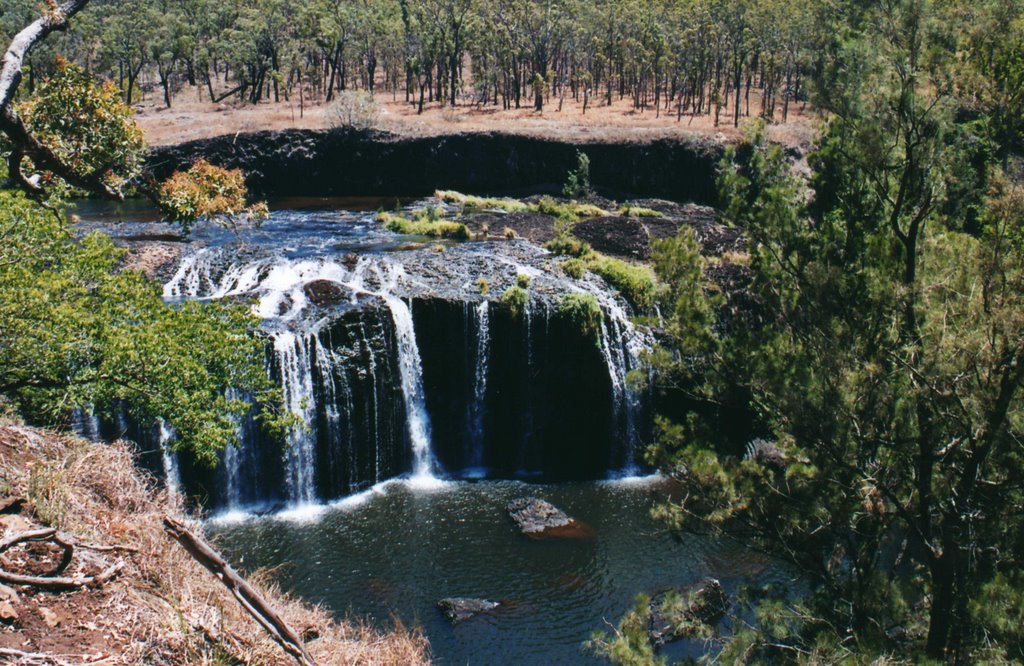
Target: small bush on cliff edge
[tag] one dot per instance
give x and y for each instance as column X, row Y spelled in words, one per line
column 515, row 300
column 583, row 312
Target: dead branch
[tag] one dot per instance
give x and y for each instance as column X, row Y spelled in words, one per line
column 247, row 596
column 45, row 534
column 62, row 583
column 31, row 657
column 41, row 658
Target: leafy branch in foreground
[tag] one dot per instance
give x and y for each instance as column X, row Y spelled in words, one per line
column 76, row 331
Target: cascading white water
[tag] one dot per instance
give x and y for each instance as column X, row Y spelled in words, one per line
column 293, row 355
column 374, row 399
column 411, row 370
column 86, row 424
column 622, row 346
column 172, row 472
column 483, row 344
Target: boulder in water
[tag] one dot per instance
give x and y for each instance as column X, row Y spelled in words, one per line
column 537, row 518
column 686, row 613
column 325, row 292
column 460, row 609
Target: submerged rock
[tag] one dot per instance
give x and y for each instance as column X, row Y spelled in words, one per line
column 687, row 613
column 537, row 518
column 459, row 609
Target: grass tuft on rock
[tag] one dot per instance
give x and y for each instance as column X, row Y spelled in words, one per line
column 639, row 211
column 636, row 283
column 424, row 227
column 473, row 203
column 515, row 300
column 583, row 312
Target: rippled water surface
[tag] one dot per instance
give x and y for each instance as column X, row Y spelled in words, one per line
column 395, row 551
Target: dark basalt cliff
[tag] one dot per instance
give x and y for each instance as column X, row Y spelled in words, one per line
column 349, row 163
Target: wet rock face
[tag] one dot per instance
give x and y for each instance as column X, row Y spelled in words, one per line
column 325, row 293
column 458, row 609
column 339, row 163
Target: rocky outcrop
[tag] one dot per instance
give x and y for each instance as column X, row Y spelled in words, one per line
column 339, row 163
column 539, row 519
column 460, row 609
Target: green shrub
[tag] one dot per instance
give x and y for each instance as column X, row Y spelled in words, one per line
column 574, row 268
column 566, row 245
column 639, row 211
column 401, row 225
column 583, row 312
column 636, row 283
column 577, row 183
column 515, row 300
column 569, row 211
column 354, row 109
column 428, row 214
column 523, row 281
column 484, row 285
column 470, row 202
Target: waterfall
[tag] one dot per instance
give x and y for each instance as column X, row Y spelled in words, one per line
column 172, row 473
column 411, row 369
column 621, row 346
column 354, row 369
column 293, row 354
column 86, row 424
column 479, row 405
column 374, row 399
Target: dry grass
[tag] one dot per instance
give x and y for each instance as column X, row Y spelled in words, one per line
column 169, row 609
column 193, row 116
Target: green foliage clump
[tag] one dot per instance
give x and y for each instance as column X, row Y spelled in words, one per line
column 887, row 372
column 523, row 281
column 583, row 312
column 635, row 282
column 568, row 246
column 206, row 191
column 474, row 203
column 424, row 227
column 515, row 300
column 569, row 212
column 630, row 645
column 577, row 183
column 639, row 211
column 77, row 332
column 574, row 268
column 86, row 125
column 483, row 285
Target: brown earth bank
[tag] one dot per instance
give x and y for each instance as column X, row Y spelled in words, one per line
column 161, row 607
column 327, row 163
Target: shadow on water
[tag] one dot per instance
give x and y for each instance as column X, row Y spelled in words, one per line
column 399, row 551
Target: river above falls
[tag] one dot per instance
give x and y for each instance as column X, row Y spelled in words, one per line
column 395, row 551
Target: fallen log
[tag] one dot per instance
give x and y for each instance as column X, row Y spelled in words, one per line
column 247, row 596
